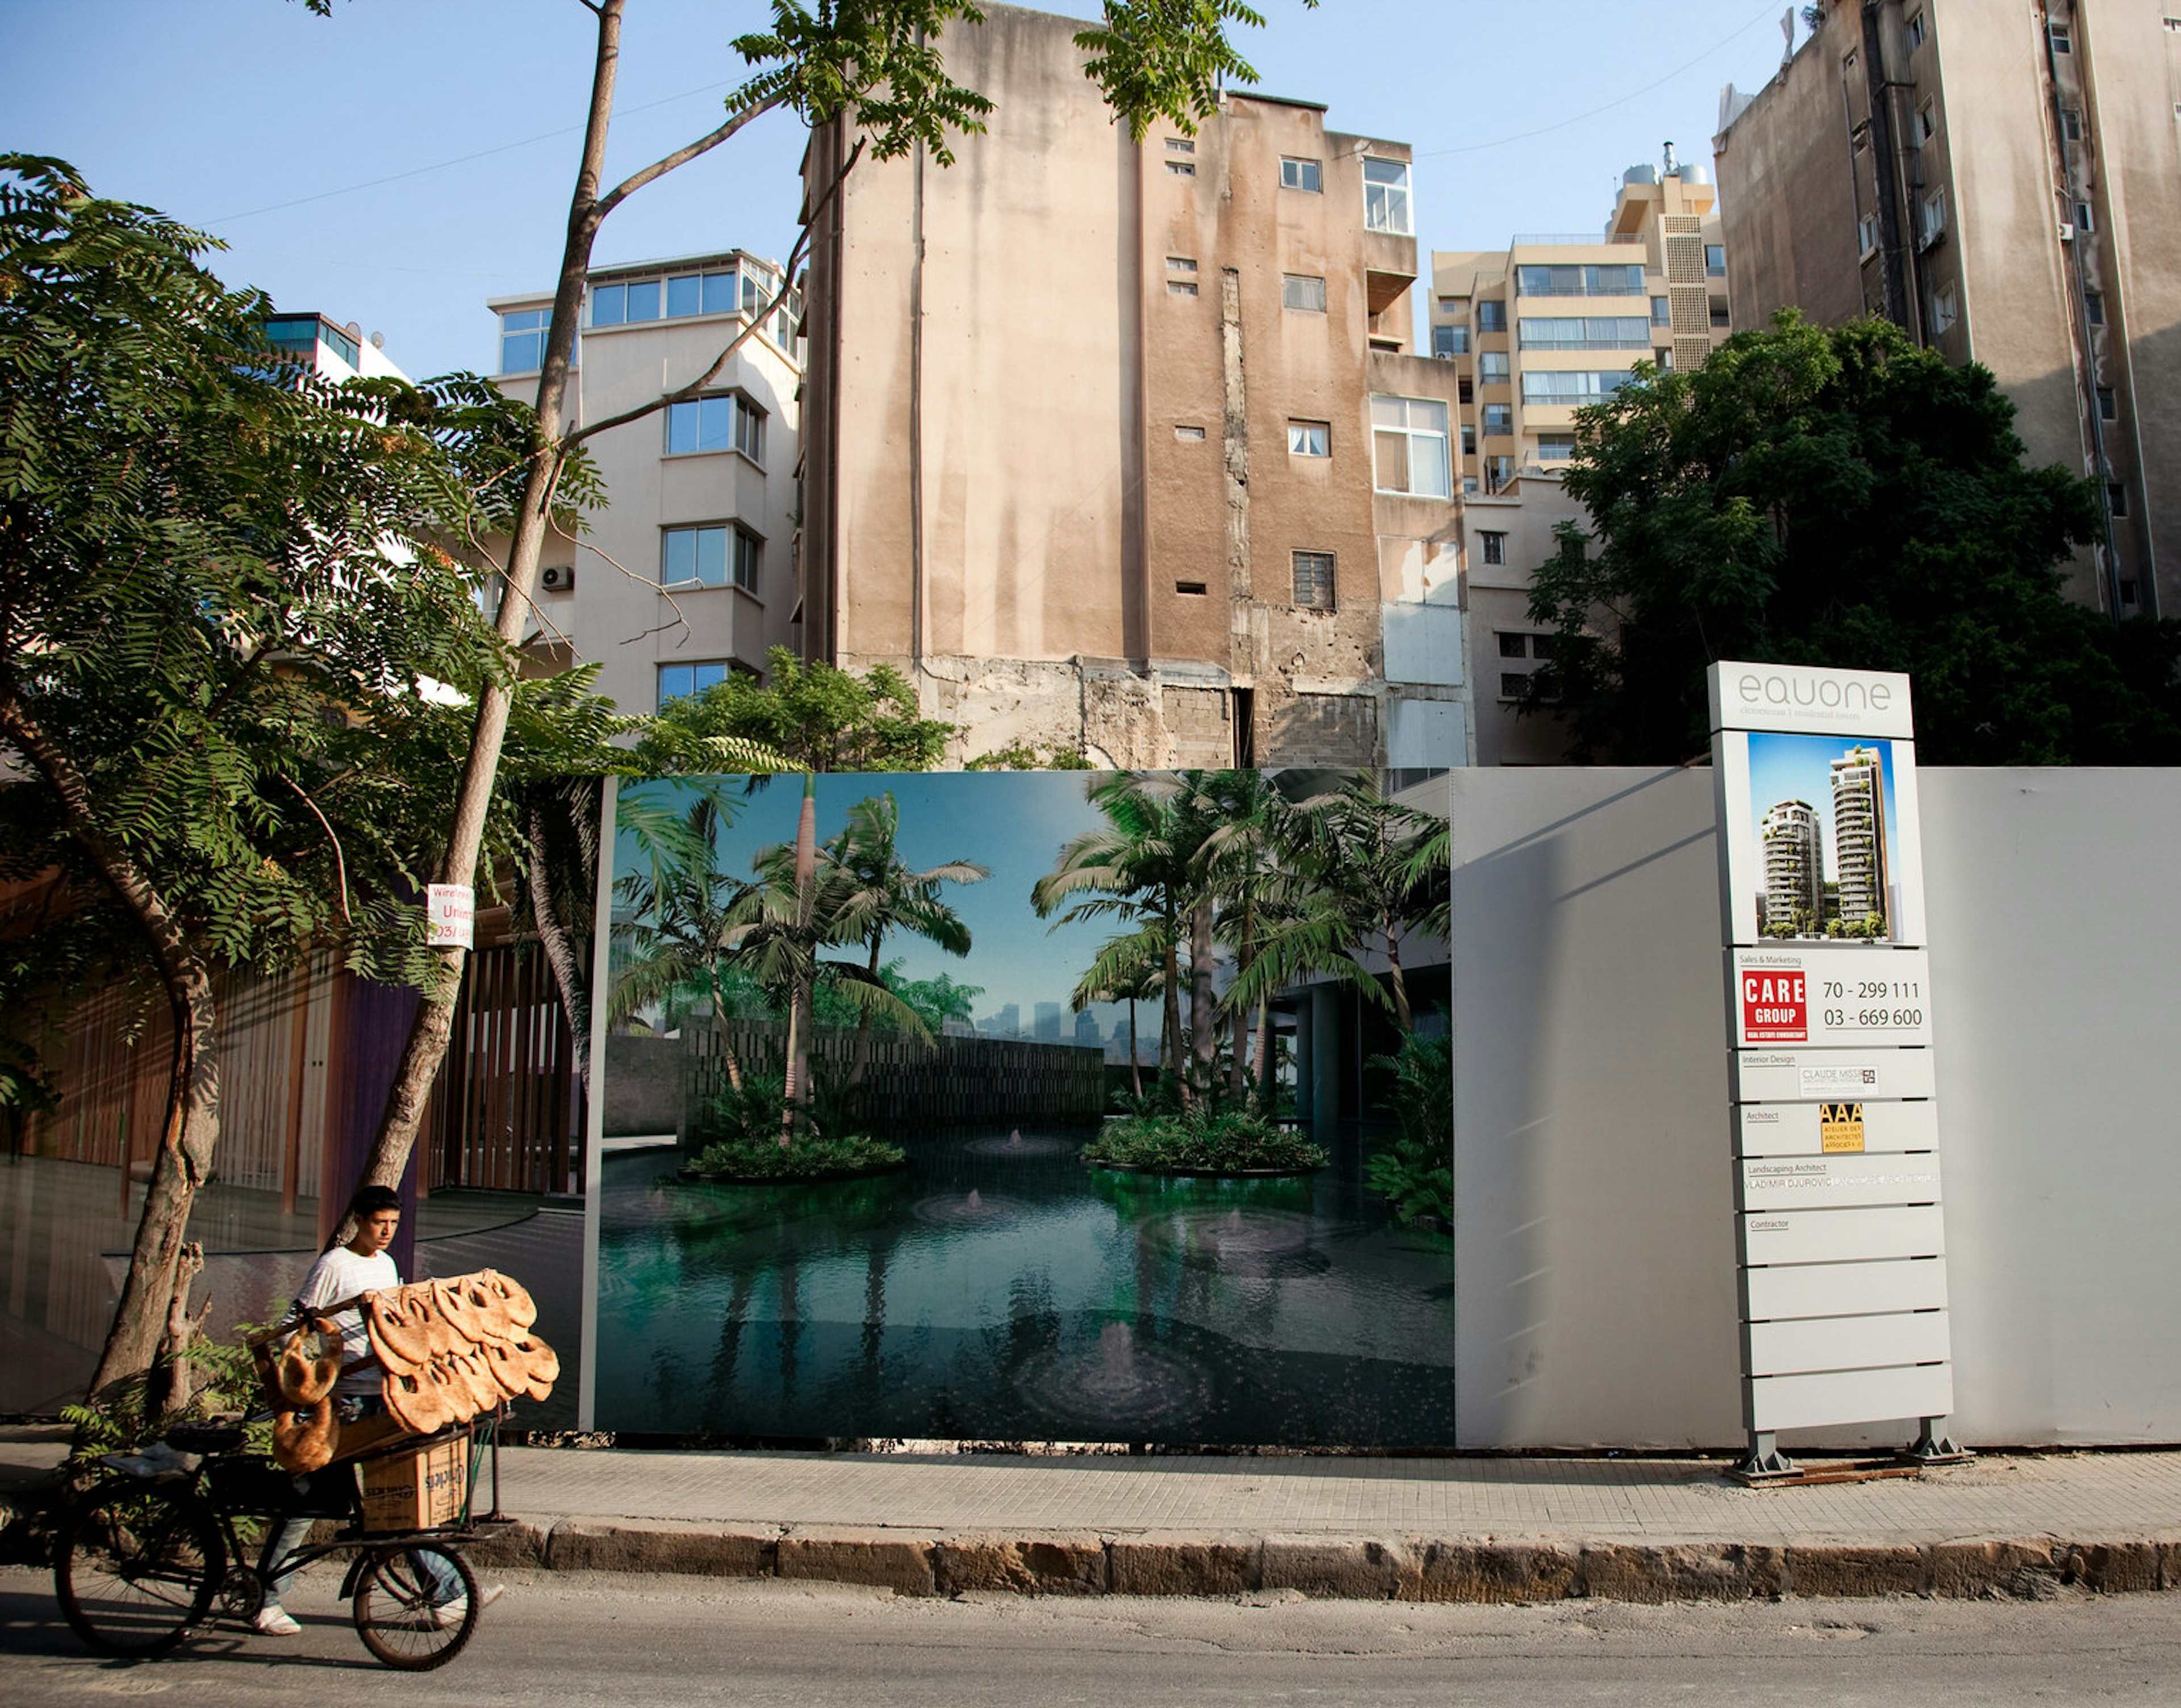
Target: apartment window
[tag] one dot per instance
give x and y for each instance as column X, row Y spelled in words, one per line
column 1511, row 645
column 1492, row 367
column 1409, row 446
column 678, row 297
column 1927, row 122
column 1182, row 169
column 2071, row 122
column 675, row 682
column 1492, row 315
column 1662, row 311
column 2057, row 34
column 1579, row 281
column 1455, row 305
column 1310, row 439
column 1296, row 174
column 1917, row 30
column 1189, row 435
column 1585, row 332
column 1449, row 341
column 1719, row 316
column 1555, row 449
column 716, row 424
column 1866, row 236
column 1181, row 287
column 1931, row 216
column 1386, row 195
column 1465, row 389
column 1304, row 291
column 1180, row 145
column 2108, row 405
column 2083, row 223
column 1494, row 548
column 714, row 556
column 522, row 339
column 1715, row 260
column 1313, row 580
column 1498, row 473
column 1184, row 266
column 2094, row 307
column 1196, row 589
column 1663, row 359
column 2116, row 498
column 1570, row 389
column 1945, row 309
column 1498, row 420
column 1468, row 440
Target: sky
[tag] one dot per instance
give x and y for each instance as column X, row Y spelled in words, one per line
column 1799, row 768
column 397, row 164
column 1013, row 822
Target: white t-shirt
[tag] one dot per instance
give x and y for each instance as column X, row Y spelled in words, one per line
column 340, row 1274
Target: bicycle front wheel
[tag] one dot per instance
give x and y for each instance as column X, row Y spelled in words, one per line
column 415, row 1605
column 136, row 1566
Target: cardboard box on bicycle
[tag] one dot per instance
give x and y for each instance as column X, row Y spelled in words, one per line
column 416, row 1487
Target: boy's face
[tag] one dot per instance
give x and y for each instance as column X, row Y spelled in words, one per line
column 375, row 1233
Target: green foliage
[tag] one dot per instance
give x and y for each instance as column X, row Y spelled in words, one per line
column 1208, row 1137
column 1838, row 497
column 810, row 717
column 809, row 1156
column 1167, row 58
column 119, row 1419
column 1414, row 1170
column 1027, row 755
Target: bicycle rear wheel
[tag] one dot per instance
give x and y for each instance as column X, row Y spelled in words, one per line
column 136, row 1566
column 402, row 1610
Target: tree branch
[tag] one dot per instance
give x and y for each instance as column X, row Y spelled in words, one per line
column 340, row 861
column 658, row 169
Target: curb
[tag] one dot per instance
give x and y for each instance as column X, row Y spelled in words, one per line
column 931, row 1562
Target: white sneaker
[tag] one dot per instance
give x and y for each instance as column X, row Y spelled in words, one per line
column 448, row 1614
column 274, row 1621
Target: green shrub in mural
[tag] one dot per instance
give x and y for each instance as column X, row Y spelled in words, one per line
column 1414, row 1167
column 1204, row 1138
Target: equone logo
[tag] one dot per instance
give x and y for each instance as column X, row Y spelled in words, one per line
column 1800, row 696
column 1809, row 691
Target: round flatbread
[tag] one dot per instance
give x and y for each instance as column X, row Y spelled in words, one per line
column 303, row 1438
column 309, row 1364
column 522, row 1309
column 542, row 1365
column 509, row 1370
column 481, row 1309
column 398, row 1332
column 416, row 1402
column 472, row 1374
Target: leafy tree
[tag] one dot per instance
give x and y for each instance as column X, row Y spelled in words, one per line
column 878, row 64
column 809, row 717
column 1027, row 756
column 1836, row 496
column 229, row 637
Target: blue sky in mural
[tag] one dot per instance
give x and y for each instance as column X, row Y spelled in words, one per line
column 1799, row 768
column 1015, row 823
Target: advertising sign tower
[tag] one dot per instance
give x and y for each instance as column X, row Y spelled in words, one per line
column 1839, row 1230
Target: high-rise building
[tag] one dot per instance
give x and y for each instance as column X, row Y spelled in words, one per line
column 1794, row 869
column 1859, row 862
column 1009, row 1022
column 1533, row 332
column 1087, row 1030
column 1123, row 447
column 689, row 571
column 1047, row 1022
column 2002, row 184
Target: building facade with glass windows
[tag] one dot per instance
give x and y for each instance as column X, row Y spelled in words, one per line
column 689, row 571
column 1124, row 446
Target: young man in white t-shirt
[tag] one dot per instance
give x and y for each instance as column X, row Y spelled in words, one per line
column 363, row 1265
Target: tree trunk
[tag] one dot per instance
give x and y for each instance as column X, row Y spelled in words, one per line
column 1401, row 1011
column 174, row 1356
column 559, row 952
column 1170, row 1018
column 1203, row 1027
column 1136, row 1071
column 1238, row 1053
column 727, row 1056
column 191, row 1133
column 799, row 1016
column 1265, row 1051
column 426, row 1045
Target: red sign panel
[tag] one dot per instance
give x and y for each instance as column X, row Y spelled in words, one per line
column 1774, row 1008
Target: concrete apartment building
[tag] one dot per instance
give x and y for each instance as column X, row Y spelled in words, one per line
column 689, row 571
column 1124, row 448
column 336, row 352
column 2002, row 182
column 1534, row 332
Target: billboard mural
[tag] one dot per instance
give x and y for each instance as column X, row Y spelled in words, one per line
column 1004, row 1106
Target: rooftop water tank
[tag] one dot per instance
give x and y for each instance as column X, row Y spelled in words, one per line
column 1696, row 175
column 1640, row 175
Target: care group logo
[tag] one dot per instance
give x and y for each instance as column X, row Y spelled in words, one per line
column 1840, row 1129
column 1776, row 1007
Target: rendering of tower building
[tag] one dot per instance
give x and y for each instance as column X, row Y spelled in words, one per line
column 689, row 571
column 1123, row 447
column 1859, row 835
column 1533, row 332
column 2001, row 182
column 1794, row 869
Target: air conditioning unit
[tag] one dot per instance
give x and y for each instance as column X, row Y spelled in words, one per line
column 2067, row 232
column 557, row 578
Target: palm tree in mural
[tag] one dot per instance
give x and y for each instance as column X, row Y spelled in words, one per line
column 1135, row 869
column 1128, row 968
column 678, row 907
column 1251, row 886
column 1371, row 871
column 890, row 896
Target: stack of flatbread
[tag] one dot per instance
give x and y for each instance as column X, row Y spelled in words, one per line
column 455, row 1347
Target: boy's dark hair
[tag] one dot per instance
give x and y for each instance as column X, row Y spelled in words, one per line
column 369, row 1200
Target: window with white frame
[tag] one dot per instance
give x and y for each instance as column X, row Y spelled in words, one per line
column 1498, row 420
column 1492, row 368
column 1918, row 29
column 1447, row 341
column 1302, row 290
column 1570, row 389
column 675, row 297
column 1313, row 580
column 1408, row 445
column 1585, row 332
column 1386, row 195
column 1945, row 310
column 1298, row 173
column 1492, row 547
column 522, row 339
column 1931, row 216
column 726, row 422
column 1555, row 447
column 1310, row 439
column 678, row 681
column 712, row 555
column 1927, row 122
column 1492, row 315
column 1866, row 236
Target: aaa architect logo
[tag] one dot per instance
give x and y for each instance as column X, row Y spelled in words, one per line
column 1776, row 1007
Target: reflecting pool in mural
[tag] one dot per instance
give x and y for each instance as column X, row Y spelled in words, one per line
column 999, row 1289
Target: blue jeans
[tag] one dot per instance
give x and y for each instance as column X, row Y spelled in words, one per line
column 292, row 1531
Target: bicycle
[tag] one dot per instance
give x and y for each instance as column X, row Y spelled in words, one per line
column 141, row 1559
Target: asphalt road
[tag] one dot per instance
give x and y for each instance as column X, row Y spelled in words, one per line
column 572, row 1640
